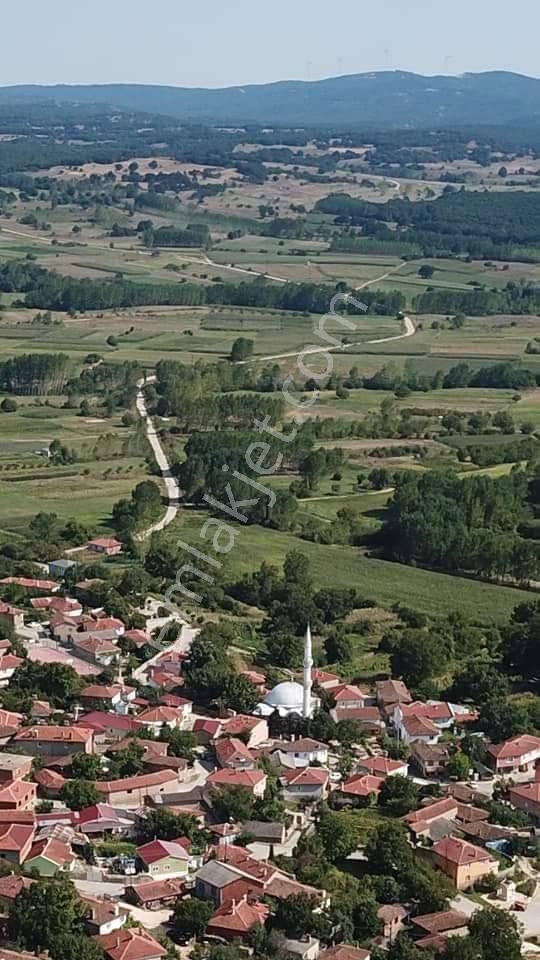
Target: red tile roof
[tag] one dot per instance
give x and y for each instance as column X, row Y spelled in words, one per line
column 10, row 719
column 99, row 691
column 14, row 837
column 9, row 610
column 158, row 850
column 10, row 662
column 232, row 750
column 392, row 691
column 459, row 851
column 147, row 891
column 362, row 714
column 236, row 778
column 30, row 584
column 419, row 727
column 51, row 849
column 527, row 791
column 240, row 724
column 362, row 785
column 137, row 783
column 441, row 808
column 49, row 779
column 208, row 726
column 171, row 700
column 344, row 952
column 98, row 811
column 48, row 733
column 107, row 543
column 101, row 720
column 306, row 777
column 162, row 714
column 441, row 921
column 132, row 944
column 11, row 886
column 138, row 637
column 58, row 604
column 257, row 679
column 432, row 711
column 514, row 748
column 95, row 645
column 382, row 766
column 302, row 745
column 346, row 692
column 238, row 917
column 322, row 676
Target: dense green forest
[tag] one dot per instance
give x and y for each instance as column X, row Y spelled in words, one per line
column 472, row 525
column 482, row 225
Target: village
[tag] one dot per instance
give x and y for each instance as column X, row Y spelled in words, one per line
column 64, row 813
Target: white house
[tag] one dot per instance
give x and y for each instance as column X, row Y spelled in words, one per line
column 302, row 752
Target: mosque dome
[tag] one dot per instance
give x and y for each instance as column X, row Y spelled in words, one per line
column 288, row 696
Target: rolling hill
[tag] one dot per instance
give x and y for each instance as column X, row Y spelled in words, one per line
column 387, row 99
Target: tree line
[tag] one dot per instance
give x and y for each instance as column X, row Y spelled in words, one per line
column 46, row 290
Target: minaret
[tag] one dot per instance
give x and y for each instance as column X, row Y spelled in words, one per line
column 308, row 666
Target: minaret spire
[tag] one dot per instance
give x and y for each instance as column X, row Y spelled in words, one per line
column 308, row 681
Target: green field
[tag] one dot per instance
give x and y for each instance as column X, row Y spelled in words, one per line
column 68, row 493
column 341, row 566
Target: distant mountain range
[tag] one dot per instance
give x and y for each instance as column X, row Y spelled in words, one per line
column 383, row 100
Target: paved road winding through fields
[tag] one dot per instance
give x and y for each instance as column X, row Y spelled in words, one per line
column 173, row 490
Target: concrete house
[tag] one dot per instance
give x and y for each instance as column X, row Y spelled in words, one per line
column 18, row 795
column 49, row 857
column 302, row 752
column 135, row 791
column 104, row 915
column 108, row 546
column 419, row 728
column 233, row 754
column 526, row 797
column 59, row 568
column 155, row 894
column 95, row 650
column 348, row 697
column 464, row 863
column 131, row 944
column 307, row 783
column 15, row 842
column 518, row 755
column 252, row 780
column 156, row 718
column 11, row 618
column 53, row 741
column 234, row 920
column 162, row 859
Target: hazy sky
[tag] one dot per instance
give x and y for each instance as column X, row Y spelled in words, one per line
column 210, row 43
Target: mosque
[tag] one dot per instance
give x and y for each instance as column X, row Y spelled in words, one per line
column 290, row 699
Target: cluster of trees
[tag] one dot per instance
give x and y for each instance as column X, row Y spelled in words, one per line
column 482, row 225
column 210, row 672
column 143, row 507
column 443, row 522
column 49, row 916
column 217, row 463
column 194, row 235
column 34, row 373
column 291, row 601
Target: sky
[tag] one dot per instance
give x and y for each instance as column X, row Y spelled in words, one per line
column 216, row 44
